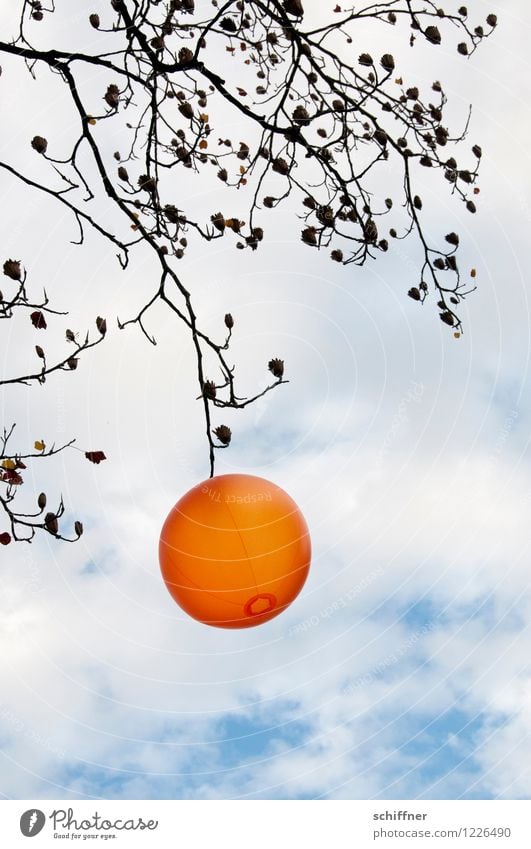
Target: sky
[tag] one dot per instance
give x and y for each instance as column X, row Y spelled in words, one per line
column 402, row 669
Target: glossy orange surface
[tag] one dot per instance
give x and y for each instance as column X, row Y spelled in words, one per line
column 235, row 551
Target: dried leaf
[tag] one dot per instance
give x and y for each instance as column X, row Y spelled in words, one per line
column 40, row 445
column 95, row 456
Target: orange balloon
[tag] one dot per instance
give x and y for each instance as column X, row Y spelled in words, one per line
column 235, row 551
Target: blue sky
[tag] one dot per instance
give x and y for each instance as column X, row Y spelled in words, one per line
column 402, row 670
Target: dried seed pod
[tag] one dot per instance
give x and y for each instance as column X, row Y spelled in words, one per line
column 12, row 269
column 433, row 35
column 209, row 390
column 224, row 434
column 39, row 143
column 281, row 166
column 186, row 56
column 51, row 524
column 218, row 221
column 309, row 236
column 276, row 367
column 112, row 96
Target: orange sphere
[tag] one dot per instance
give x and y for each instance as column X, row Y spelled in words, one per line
column 235, row 551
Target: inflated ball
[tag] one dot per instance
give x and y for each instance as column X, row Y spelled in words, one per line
column 235, row 551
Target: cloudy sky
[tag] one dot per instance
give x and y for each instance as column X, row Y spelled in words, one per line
column 402, row 670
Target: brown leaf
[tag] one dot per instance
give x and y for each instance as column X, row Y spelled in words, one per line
column 95, row 456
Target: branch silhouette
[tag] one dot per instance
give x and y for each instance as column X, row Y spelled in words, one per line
column 322, row 123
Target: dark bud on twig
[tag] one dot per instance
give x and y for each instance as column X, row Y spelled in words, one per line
column 209, row 390
column 39, row 144
column 186, row 109
column 51, row 524
column 228, row 24
column 366, row 59
column 72, row 363
column 186, row 56
column 78, row 527
column 276, row 367
column 492, row 20
column 280, row 166
column 337, row 255
column 70, row 337
column 476, row 150
column 301, row 116
column 433, row 35
column 471, row 206
column 94, row 20
column 101, row 324
column 452, row 239
column 5, row 538
column 41, row 501
column 224, row 434
column 414, row 293
column 462, row 48
column 122, row 173
column 463, row 11
column 447, row 317
column 417, row 203
column 370, row 230
column 12, row 269
column 37, row 15
column 294, row 7
column 229, row 321
column 387, row 62
column 39, row 351
column 38, row 320
column 269, row 202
